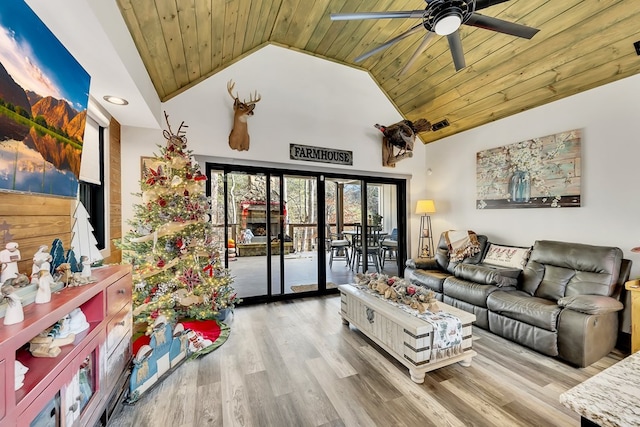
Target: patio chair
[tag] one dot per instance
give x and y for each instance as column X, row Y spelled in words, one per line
column 373, row 247
column 338, row 247
column 389, row 247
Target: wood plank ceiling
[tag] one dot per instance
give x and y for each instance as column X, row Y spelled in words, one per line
column 581, row 44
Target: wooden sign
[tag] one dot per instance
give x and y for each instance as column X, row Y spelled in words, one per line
column 320, row 154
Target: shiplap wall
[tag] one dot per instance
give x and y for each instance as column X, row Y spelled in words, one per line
column 34, row 220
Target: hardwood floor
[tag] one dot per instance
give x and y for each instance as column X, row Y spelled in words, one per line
column 294, row 364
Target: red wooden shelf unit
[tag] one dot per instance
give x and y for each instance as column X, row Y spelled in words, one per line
column 80, row 385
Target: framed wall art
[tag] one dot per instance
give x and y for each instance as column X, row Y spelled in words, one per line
column 538, row 173
column 43, row 106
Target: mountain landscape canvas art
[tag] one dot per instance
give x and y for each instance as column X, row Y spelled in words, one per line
column 44, row 94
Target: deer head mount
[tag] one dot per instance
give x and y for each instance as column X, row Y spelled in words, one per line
column 239, row 136
column 400, row 136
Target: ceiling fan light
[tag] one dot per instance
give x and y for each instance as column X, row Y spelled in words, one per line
column 448, row 24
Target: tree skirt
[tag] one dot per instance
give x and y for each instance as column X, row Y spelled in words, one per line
column 213, row 330
column 158, row 355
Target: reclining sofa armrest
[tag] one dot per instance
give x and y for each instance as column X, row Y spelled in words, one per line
column 591, row 304
column 488, row 274
column 423, row 263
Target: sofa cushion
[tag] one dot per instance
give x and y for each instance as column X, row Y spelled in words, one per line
column 471, row 292
column 507, row 256
column 430, row 279
column 558, row 269
column 591, row 304
column 488, row 274
column 422, row 263
column 521, row 306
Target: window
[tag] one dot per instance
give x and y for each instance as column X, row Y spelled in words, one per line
column 91, row 190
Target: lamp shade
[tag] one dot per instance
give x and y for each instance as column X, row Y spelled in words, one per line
column 425, row 206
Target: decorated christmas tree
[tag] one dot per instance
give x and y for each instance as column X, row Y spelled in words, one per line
column 177, row 270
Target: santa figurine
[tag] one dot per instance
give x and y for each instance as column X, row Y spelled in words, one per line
column 9, row 258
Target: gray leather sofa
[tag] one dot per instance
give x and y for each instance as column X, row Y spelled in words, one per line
column 564, row 303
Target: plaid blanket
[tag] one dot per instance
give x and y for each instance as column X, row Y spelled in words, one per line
column 446, row 337
column 462, row 244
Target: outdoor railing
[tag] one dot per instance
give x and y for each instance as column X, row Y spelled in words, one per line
column 303, row 235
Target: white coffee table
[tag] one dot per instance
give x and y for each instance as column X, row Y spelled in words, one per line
column 404, row 336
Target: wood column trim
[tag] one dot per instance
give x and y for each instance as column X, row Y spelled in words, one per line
column 115, row 192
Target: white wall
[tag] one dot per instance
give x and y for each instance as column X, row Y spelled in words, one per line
column 305, row 100
column 310, row 101
column 608, row 116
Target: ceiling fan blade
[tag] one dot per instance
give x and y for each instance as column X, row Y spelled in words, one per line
column 455, row 45
column 501, row 26
column 396, row 39
column 423, row 46
column 377, row 15
column 482, row 4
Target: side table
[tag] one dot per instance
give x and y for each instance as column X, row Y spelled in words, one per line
column 633, row 286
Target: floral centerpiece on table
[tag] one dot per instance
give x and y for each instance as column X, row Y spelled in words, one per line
column 397, row 289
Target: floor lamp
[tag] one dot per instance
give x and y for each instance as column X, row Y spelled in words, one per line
column 425, row 239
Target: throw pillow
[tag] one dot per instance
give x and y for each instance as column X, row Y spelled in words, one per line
column 507, row 256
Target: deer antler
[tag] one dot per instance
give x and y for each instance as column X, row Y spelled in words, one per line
column 230, row 86
column 166, row 118
column 180, row 131
column 251, row 98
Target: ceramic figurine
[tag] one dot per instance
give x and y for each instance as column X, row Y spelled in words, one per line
column 14, row 313
column 9, row 258
column 86, row 266
column 19, row 373
column 78, row 321
column 38, row 258
column 43, row 294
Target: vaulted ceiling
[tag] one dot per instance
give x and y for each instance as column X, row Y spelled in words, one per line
column 581, row 44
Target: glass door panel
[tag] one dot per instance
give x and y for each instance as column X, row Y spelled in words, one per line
column 248, row 232
column 279, row 228
column 382, row 216
column 338, row 233
column 276, row 220
column 217, row 212
column 301, row 233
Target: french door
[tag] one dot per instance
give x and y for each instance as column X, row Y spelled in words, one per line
column 275, row 227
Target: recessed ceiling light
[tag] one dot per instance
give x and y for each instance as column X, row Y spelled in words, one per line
column 115, row 100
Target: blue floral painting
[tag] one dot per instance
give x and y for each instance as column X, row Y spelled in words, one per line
column 538, row 173
column 44, row 94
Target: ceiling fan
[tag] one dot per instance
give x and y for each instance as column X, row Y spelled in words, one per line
column 444, row 18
